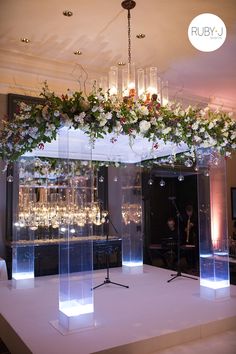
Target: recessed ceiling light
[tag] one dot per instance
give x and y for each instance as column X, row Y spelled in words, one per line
column 121, row 63
column 78, row 52
column 25, row 40
column 140, row 35
column 67, row 13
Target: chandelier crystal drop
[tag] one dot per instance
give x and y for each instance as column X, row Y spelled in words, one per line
column 180, row 177
column 162, row 183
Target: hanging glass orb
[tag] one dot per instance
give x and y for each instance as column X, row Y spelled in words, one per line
column 206, row 173
column 115, row 179
column 10, row 179
column 196, row 168
column 162, row 183
column 150, row 182
column 171, row 159
column 199, row 155
column 180, row 178
column 215, row 161
column 101, row 179
column 188, row 163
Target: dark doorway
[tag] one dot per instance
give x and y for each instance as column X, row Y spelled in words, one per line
column 158, row 207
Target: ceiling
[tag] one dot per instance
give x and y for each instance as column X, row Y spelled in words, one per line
column 99, row 29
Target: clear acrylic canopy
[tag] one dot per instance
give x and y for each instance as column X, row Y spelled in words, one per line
column 124, row 149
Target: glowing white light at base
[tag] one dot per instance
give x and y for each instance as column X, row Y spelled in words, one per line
column 74, row 308
column 215, row 284
column 23, row 275
column 132, row 264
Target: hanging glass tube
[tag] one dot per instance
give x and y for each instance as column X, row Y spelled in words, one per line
column 141, row 82
column 102, row 84
column 152, row 80
column 165, row 93
column 113, row 80
column 128, row 81
column 125, row 91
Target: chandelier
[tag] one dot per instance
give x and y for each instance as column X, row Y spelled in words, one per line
column 132, row 83
column 35, row 214
column 131, row 213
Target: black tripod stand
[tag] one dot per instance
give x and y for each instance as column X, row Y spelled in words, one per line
column 107, row 278
column 178, row 274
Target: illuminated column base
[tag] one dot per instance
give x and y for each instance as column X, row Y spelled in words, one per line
column 23, row 267
column 132, row 267
column 76, row 302
column 22, row 283
column 210, row 291
column 73, row 315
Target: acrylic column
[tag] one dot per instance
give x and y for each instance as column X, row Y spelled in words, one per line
column 76, row 304
column 213, row 238
column 24, row 222
column 131, row 210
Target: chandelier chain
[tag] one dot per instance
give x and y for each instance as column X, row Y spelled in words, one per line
column 129, row 37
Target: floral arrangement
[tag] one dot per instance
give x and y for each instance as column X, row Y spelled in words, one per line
column 99, row 114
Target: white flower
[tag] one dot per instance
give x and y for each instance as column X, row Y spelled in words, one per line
column 176, row 111
column 102, row 122
column 166, row 130
column 56, row 113
column 134, row 117
column 195, row 126
column 160, row 119
column 84, row 163
column 153, row 121
column 100, row 97
column 45, row 112
column 118, row 128
column 144, row 110
column 33, row 132
column 48, row 133
column 177, row 132
column 80, row 118
column 51, row 126
column 113, row 98
column 202, row 130
column 233, row 136
column 100, row 109
column 197, row 139
column 108, row 115
column 211, row 125
column 25, row 107
column 144, row 126
column 95, row 108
